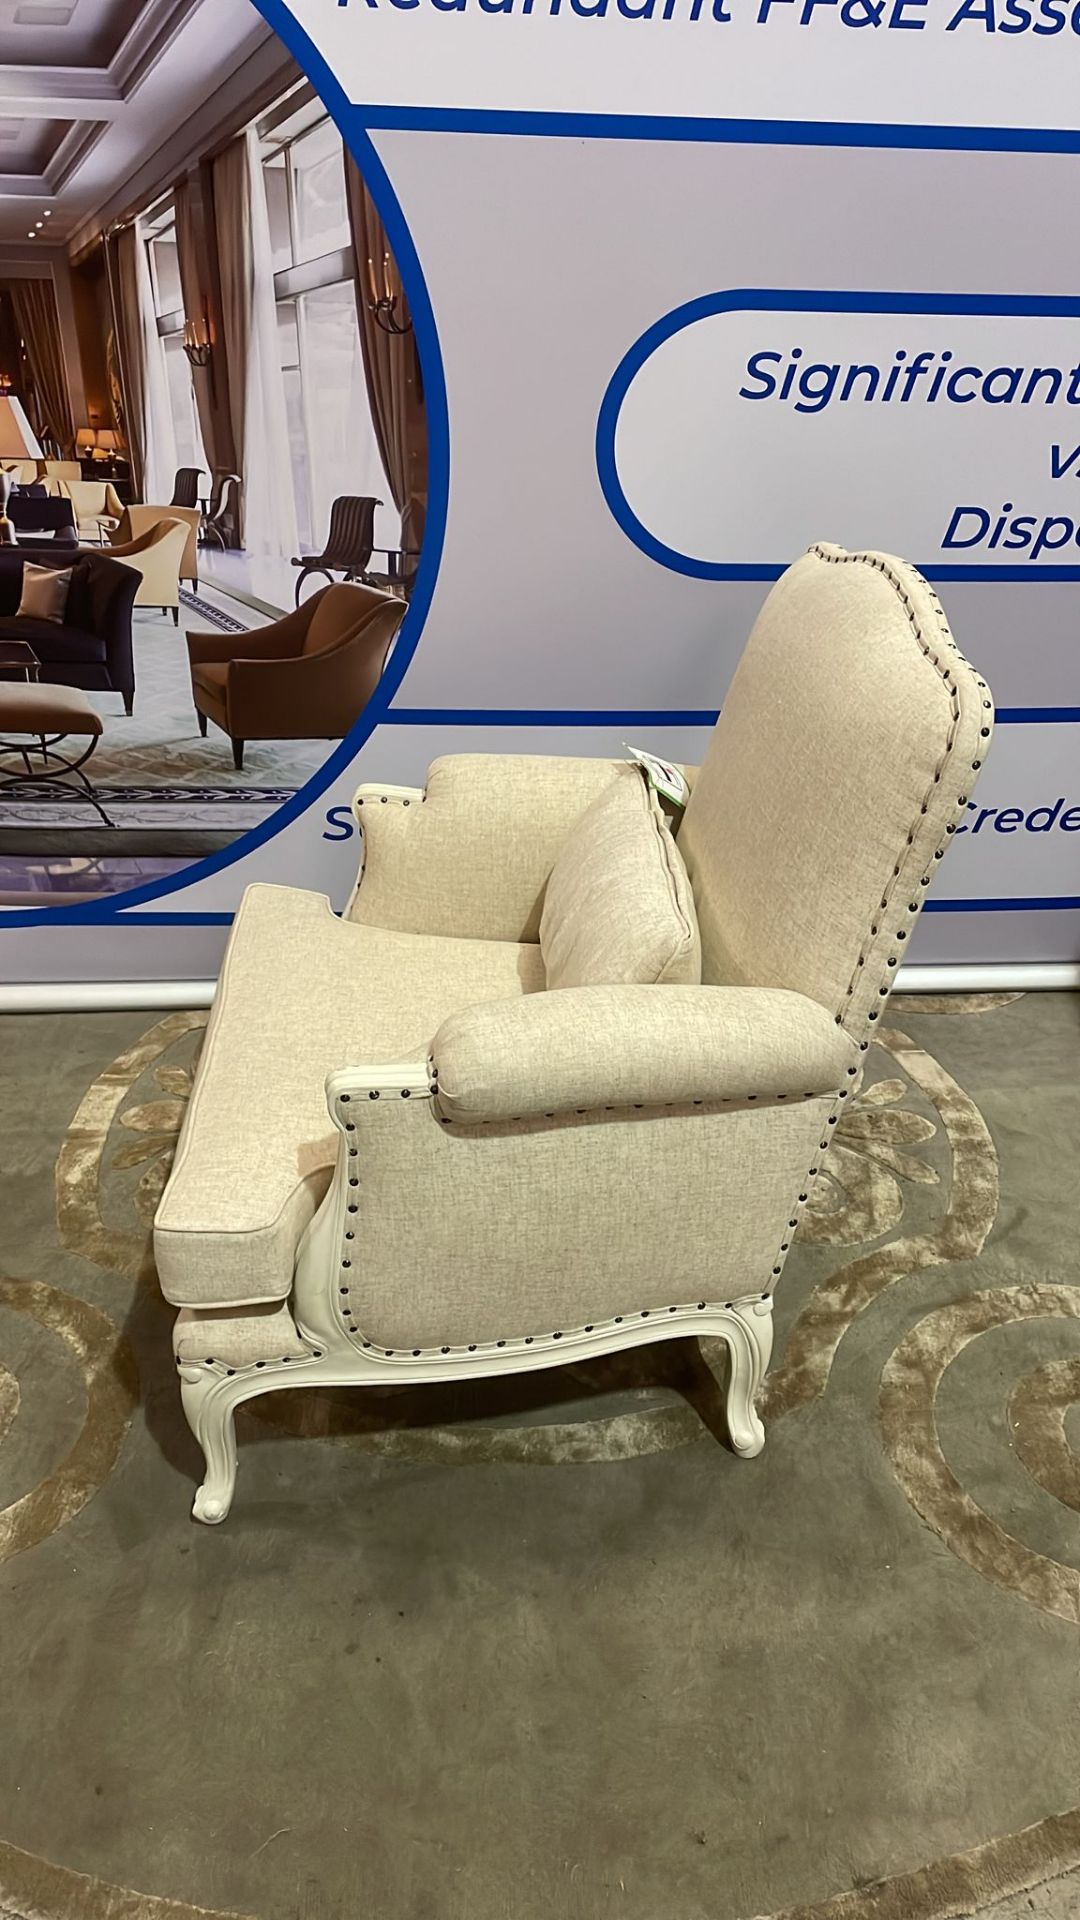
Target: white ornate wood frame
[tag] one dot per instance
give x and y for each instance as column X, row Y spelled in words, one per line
column 336, row 1352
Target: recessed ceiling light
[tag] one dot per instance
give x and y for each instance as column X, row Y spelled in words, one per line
column 48, row 213
column 39, row 224
column 31, row 236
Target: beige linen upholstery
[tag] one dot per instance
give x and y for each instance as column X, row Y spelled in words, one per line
column 240, row 1339
column 495, row 1176
column 470, row 854
column 610, row 1047
column 158, row 555
column 618, row 905
column 301, row 992
column 537, row 1226
column 809, row 861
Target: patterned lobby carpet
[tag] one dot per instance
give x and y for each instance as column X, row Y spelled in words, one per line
column 549, row 1649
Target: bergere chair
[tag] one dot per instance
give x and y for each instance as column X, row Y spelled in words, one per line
column 407, row 1158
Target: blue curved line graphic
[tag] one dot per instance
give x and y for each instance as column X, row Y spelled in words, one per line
column 349, row 120
column 782, row 300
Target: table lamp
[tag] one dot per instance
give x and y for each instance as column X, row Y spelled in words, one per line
column 17, row 442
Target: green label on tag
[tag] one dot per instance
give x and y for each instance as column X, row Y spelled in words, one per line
column 661, row 775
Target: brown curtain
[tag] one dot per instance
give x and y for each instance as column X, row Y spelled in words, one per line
column 125, row 285
column 217, row 441
column 391, row 364
column 38, row 322
column 232, row 217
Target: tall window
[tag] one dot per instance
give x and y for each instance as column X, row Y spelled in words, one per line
column 160, row 231
column 334, row 450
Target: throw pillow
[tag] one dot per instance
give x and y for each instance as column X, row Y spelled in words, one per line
column 44, row 593
column 619, row 908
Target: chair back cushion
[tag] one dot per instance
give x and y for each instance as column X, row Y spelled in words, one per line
column 140, row 519
column 840, row 767
column 88, row 497
column 338, row 613
column 619, row 909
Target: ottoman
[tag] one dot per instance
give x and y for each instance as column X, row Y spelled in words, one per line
column 36, row 722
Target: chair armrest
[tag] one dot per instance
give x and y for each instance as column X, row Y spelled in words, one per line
column 575, row 1156
column 473, row 859
column 306, row 696
column 265, row 643
column 584, row 1048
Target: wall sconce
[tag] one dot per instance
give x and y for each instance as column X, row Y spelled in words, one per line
column 198, row 341
column 383, row 306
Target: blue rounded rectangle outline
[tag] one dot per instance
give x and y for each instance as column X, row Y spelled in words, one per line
column 803, row 300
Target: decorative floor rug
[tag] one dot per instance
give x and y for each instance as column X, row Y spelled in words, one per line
column 179, row 808
column 546, row 1647
column 217, row 612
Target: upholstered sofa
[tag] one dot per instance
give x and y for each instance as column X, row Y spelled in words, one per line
column 562, row 1077
column 307, row 677
column 91, row 646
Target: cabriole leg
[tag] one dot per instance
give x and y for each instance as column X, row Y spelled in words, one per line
column 748, row 1336
column 211, row 1414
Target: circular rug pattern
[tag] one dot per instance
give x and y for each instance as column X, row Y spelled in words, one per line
column 889, row 1317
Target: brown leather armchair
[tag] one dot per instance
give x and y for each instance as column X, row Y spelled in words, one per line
column 309, row 677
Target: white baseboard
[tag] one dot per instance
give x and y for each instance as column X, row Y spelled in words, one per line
column 106, row 996
column 1020, row 976
column 164, row 996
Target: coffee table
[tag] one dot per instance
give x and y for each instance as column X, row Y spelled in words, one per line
column 18, row 657
column 47, row 718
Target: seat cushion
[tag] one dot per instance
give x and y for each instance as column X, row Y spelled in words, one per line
column 619, row 910
column 301, row 993
column 35, row 708
column 59, row 644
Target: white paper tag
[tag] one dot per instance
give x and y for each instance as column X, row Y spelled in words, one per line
column 666, row 779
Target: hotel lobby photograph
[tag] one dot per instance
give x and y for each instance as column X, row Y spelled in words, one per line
column 213, row 460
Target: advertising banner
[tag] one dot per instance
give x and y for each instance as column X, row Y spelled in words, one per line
column 692, row 284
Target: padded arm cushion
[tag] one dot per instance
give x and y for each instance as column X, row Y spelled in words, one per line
column 470, row 857
column 280, row 642
column 590, row 1047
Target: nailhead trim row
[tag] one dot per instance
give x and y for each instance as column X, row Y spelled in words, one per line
column 385, row 799
column 257, row 1366
column 347, row 1319
column 639, row 1106
column 947, row 645
column 392, row 799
